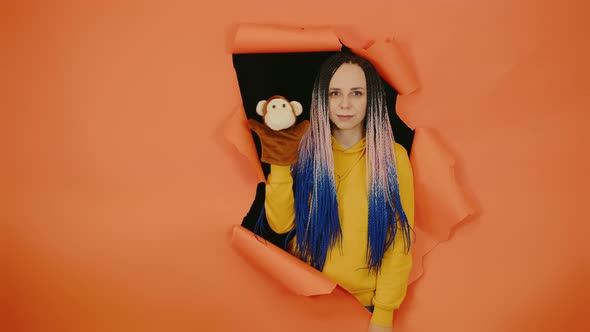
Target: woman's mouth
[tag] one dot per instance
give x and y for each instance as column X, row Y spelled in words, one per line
column 344, row 117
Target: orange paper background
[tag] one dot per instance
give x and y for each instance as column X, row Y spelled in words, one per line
column 119, row 193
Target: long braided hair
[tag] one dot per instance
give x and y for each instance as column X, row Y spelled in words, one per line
column 316, row 208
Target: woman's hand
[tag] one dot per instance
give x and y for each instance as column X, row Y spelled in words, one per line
column 377, row 328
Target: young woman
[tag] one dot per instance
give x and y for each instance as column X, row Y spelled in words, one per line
column 349, row 198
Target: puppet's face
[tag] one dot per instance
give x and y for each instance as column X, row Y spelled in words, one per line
column 347, row 96
column 278, row 112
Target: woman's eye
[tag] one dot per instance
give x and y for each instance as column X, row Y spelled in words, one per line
column 334, row 93
column 358, row 93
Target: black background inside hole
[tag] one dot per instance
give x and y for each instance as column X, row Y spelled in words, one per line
column 291, row 75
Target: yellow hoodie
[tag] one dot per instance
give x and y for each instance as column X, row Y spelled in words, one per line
column 348, row 267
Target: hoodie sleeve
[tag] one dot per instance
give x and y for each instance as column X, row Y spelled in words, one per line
column 279, row 201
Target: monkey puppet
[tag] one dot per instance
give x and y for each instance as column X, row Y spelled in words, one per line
column 279, row 136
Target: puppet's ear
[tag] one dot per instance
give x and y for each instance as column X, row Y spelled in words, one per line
column 297, row 107
column 260, row 107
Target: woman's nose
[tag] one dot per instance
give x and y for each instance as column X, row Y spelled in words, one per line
column 344, row 102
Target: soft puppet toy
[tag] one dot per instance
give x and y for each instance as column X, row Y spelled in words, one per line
column 279, row 136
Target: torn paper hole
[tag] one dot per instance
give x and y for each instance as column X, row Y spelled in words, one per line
column 270, row 61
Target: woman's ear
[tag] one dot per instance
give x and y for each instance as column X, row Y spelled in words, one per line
column 260, row 107
column 297, row 107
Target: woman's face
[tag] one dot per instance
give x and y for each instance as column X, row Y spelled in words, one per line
column 347, row 97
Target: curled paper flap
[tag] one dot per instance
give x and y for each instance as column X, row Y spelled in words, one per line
column 440, row 200
column 424, row 244
column 237, row 132
column 298, row 277
column 390, row 61
column 353, row 37
column 253, row 38
column 441, row 203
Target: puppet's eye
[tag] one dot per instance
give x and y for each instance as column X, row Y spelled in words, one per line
column 273, row 106
column 283, row 105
